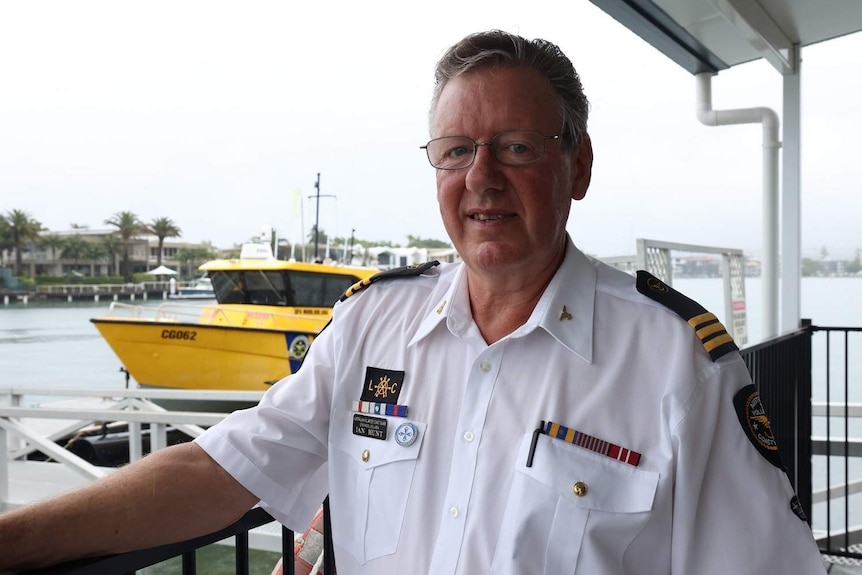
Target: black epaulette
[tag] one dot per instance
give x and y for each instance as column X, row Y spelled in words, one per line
column 714, row 337
column 407, row 271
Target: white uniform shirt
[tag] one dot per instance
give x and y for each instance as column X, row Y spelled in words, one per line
column 595, row 356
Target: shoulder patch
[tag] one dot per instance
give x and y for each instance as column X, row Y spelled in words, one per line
column 713, row 335
column 755, row 423
column 407, row 271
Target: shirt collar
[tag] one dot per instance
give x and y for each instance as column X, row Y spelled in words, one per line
column 568, row 304
column 453, row 308
column 565, row 309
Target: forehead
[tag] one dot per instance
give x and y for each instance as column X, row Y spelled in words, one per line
column 483, row 102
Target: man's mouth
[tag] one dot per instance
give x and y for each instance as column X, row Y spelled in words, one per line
column 487, row 217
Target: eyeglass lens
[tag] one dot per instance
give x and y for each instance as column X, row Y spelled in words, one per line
column 511, row 148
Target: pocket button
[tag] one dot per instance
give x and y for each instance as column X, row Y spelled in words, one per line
column 580, row 488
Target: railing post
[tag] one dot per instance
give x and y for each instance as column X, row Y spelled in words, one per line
column 4, row 468
column 158, row 436
column 242, row 557
column 190, row 563
column 135, row 444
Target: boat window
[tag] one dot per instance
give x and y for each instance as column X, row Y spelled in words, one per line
column 313, row 289
column 228, row 287
column 283, row 288
column 265, row 288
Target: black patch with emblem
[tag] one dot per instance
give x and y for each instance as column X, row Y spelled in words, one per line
column 796, row 507
column 405, row 272
column 367, row 426
column 712, row 334
column 752, row 418
column 382, row 385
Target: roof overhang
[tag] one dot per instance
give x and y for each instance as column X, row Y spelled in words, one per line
column 713, row 35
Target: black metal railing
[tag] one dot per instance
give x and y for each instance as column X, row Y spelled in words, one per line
column 781, row 371
column 129, row 563
column 836, row 445
column 790, row 371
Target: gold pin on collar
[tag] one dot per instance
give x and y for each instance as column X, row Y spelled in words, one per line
column 565, row 314
column 442, row 305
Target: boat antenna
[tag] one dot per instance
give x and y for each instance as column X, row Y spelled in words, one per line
column 316, row 214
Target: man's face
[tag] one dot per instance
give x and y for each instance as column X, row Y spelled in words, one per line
column 507, row 218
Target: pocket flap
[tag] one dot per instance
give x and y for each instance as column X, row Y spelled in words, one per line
column 603, row 483
column 367, row 452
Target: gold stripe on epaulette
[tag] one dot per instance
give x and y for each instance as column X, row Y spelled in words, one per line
column 356, row 287
column 717, row 341
column 710, row 329
column 701, row 319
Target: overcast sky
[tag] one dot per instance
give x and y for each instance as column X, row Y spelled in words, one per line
column 215, row 113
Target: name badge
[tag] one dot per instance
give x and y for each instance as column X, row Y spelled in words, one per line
column 366, row 426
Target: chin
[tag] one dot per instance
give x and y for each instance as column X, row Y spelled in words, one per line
column 489, row 255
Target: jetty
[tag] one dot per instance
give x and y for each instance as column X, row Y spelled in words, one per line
column 141, row 291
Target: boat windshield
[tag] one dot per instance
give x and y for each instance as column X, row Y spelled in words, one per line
column 280, row 287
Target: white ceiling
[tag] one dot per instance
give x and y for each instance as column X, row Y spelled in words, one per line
column 711, row 35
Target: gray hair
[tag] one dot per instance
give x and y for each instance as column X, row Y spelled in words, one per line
column 498, row 48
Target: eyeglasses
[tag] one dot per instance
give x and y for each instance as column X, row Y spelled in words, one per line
column 515, row 148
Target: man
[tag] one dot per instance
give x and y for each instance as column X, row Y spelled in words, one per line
column 529, row 411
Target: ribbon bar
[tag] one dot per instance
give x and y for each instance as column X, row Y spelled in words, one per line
column 377, row 408
column 592, row 443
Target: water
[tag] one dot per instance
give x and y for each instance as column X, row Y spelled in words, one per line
column 56, row 346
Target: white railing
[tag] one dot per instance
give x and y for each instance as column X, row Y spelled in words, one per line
column 215, row 314
column 656, row 257
column 19, row 436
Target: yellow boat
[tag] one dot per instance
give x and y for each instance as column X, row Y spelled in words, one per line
column 267, row 313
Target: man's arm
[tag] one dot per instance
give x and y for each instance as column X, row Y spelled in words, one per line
column 171, row 495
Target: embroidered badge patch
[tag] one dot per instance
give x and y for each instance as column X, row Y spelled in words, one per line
column 752, row 417
column 367, row 426
column 381, row 385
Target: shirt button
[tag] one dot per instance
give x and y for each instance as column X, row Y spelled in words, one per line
column 469, row 436
column 366, row 455
column 580, row 488
column 454, row 512
column 485, row 366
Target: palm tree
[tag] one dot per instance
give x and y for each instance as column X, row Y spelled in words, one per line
column 193, row 256
column 5, row 238
column 74, row 249
column 112, row 246
column 93, row 252
column 128, row 226
column 22, row 230
column 164, row 228
column 54, row 243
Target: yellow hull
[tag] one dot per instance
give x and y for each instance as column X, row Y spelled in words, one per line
column 200, row 356
column 268, row 313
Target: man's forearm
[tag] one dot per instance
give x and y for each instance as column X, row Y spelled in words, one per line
column 174, row 494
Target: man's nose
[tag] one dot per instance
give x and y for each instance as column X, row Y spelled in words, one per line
column 484, row 172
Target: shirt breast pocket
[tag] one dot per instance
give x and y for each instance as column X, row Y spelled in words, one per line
column 573, row 512
column 370, row 479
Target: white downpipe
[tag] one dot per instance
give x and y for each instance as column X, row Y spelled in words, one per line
column 771, row 144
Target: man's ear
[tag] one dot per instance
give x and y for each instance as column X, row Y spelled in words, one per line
column 583, row 167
